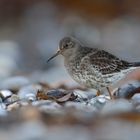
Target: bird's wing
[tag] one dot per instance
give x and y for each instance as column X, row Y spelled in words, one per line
column 107, row 63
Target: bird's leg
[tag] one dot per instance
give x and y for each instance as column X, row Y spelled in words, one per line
column 110, row 94
column 98, row 93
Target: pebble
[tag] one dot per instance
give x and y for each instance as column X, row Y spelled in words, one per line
column 86, row 94
column 12, row 99
column 46, row 105
column 5, row 94
column 3, row 111
column 79, row 106
column 13, row 106
column 136, row 101
column 2, row 106
column 1, row 101
column 81, row 94
column 24, row 103
column 136, row 98
column 30, row 97
column 53, row 108
column 125, row 90
column 117, row 106
column 42, row 102
column 29, row 92
column 98, row 102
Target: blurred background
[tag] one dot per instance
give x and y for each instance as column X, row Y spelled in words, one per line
column 30, row 31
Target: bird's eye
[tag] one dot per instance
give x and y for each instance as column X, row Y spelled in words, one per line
column 66, row 46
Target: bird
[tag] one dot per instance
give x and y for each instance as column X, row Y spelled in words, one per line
column 92, row 68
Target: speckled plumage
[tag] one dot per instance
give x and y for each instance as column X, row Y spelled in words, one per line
column 92, row 67
column 95, row 68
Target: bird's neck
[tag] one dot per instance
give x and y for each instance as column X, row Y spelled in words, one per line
column 70, row 53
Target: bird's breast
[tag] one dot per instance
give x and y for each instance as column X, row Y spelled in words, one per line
column 90, row 78
column 73, row 68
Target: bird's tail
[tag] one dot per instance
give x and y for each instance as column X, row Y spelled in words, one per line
column 134, row 64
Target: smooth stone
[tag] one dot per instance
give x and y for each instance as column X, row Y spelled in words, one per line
column 12, row 99
column 29, row 92
column 85, row 95
column 136, row 101
column 42, row 102
column 31, row 97
column 46, row 105
column 126, row 89
column 2, row 105
column 1, row 100
column 117, row 106
column 98, row 102
column 137, row 108
column 51, row 108
column 13, row 106
column 3, row 111
column 136, row 98
column 5, row 93
column 24, row 103
column 79, row 106
column 101, row 100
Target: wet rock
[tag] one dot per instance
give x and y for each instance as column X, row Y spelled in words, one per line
column 13, row 106
column 14, row 83
column 128, row 90
column 81, row 94
column 41, row 102
column 98, row 102
column 81, row 114
column 84, row 95
column 79, row 106
column 52, row 108
column 29, row 92
column 136, row 98
column 31, row 97
column 12, row 99
column 136, row 101
column 24, row 103
column 138, row 108
column 117, row 106
column 4, row 94
column 2, row 105
column 46, row 105
column 3, row 111
column 1, row 101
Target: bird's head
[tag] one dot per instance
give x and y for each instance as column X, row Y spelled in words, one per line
column 67, row 46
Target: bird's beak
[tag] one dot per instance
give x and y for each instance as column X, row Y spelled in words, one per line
column 57, row 53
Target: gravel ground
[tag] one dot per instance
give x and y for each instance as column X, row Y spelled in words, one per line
column 40, row 110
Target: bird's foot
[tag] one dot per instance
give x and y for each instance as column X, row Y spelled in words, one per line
column 110, row 94
column 98, row 93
